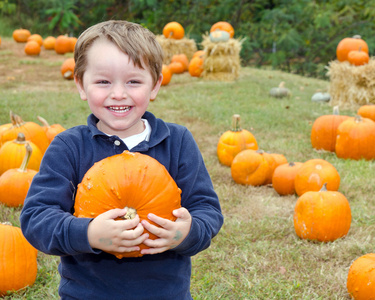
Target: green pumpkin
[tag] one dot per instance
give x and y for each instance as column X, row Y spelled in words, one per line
column 280, row 91
column 321, row 97
column 219, row 36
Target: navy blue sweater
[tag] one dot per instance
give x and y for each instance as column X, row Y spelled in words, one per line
column 48, row 223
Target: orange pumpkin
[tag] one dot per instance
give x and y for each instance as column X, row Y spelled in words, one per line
column 67, row 68
column 182, row 58
column 358, row 57
column 148, row 188
column 13, row 152
column 271, row 165
column 324, row 130
column 18, row 260
column 196, row 66
column 167, row 75
column 37, row 38
column 349, row 44
column 49, row 43
column 73, row 41
column 283, row 178
column 199, row 53
column 32, row 48
column 356, row 139
column 63, row 44
column 322, row 215
column 32, row 131
column 224, row 26
column 21, row 35
column 367, row 111
column 250, row 168
column 15, row 183
column 313, row 174
column 361, row 278
column 234, row 141
column 51, row 130
column 173, row 30
column 176, row 67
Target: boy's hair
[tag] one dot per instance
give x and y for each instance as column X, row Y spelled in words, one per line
column 136, row 41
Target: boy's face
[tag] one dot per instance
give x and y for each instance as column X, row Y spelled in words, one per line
column 117, row 92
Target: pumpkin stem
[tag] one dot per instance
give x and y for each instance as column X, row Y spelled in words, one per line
column 6, row 223
column 358, row 119
column 25, row 162
column 292, row 164
column 43, row 121
column 13, row 118
column 236, row 122
column 324, row 188
column 21, row 139
column 357, row 36
column 336, row 111
column 282, row 84
column 130, row 214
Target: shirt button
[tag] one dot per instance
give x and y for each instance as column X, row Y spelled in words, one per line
column 117, row 143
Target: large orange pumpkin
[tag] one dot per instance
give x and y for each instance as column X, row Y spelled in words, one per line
column 196, row 66
column 32, row 48
column 167, row 75
column 63, row 44
column 324, row 130
column 250, row 167
column 37, row 38
column 13, row 152
column 224, row 26
column 21, row 35
column 322, row 215
column 349, row 44
column 174, row 30
column 18, row 260
column 283, row 178
column 361, row 278
column 182, row 58
column 313, row 174
column 131, row 180
column 15, row 183
column 49, row 43
column 234, row 141
column 367, row 111
column 356, row 139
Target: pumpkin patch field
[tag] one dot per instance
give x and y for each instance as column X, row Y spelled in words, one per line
column 257, row 254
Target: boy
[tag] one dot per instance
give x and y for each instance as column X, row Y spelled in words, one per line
column 118, row 71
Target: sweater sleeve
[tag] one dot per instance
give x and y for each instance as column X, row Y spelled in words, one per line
column 47, row 219
column 198, row 197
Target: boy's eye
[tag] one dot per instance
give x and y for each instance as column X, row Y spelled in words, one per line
column 134, row 81
column 102, row 82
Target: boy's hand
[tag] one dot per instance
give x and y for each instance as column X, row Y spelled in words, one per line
column 170, row 233
column 107, row 234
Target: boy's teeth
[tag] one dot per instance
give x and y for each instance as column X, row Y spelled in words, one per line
column 120, row 108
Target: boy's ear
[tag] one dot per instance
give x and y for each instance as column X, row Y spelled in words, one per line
column 156, row 88
column 81, row 91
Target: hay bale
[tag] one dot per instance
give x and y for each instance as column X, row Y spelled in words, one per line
column 351, row 86
column 171, row 47
column 222, row 60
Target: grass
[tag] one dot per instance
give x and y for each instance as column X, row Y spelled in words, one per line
column 256, row 255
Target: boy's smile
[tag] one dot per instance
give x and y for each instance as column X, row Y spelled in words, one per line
column 117, row 91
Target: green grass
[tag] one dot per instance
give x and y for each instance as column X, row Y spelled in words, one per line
column 256, row 255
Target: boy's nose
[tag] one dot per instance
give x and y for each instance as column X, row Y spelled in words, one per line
column 118, row 92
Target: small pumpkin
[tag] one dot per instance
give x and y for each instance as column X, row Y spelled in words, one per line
column 176, row 67
column 37, row 38
column 51, row 130
column 218, row 36
column 73, row 42
column 361, row 278
column 67, row 68
column 15, row 183
column 321, row 97
column 167, row 75
column 349, row 44
column 199, row 53
column 356, row 139
column 322, row 215
column 283, row 178
column 32, row 48
column 182, row 58
column 196, row 66
column 13, row 152
column 21, row 35
column 148, row 188
column 18, row 260
column 234, row 141
column 324, row 130
column 63, row 44
column 250, row 167
column 174, row 30
column 49, row 43
column 280, row 92
column 223, row 26
column 367, row 111
column 313, row 174
column 358, row 57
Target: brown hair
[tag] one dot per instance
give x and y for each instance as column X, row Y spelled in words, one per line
column 136, row 41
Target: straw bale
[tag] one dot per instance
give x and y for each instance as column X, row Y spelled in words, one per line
column 222, row 60
column 351, row 86
column 171, row 47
